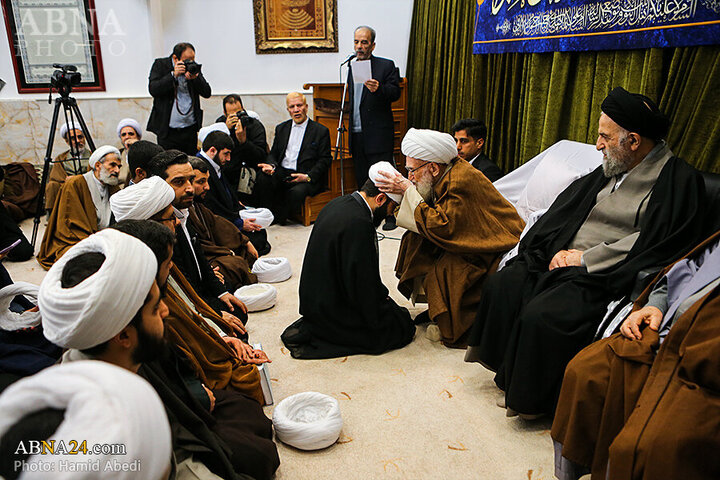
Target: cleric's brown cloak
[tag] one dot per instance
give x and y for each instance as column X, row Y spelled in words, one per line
column 73, row 218
column 462, row 237
column 213, row 360
column 21, row 189
column 601, row 404
column 59, row 174
column 224, row 246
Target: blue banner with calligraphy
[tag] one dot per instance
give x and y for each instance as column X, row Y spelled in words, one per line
column 573, row 25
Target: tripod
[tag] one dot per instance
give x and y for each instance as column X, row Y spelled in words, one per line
column 340, row 140
column 73, row 117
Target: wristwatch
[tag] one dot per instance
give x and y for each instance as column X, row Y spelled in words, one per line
column 308, row 178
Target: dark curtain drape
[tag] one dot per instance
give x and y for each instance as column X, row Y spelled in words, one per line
column 531, row 101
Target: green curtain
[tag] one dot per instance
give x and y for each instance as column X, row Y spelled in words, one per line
column 531, row 101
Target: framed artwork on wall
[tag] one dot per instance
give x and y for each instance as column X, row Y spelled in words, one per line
column 295, row 26
column 43, row 33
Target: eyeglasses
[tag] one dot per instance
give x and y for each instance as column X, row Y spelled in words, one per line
column 413, row 170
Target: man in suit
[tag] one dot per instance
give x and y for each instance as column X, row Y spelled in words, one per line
column 249, row 148
column 371, row 119
column 176, row 115
column 470, row 137
column 221, row 198
column 299, row 159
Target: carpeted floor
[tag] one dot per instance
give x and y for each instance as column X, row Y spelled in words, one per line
column 417, row 413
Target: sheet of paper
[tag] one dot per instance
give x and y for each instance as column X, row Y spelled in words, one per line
column 362, row 71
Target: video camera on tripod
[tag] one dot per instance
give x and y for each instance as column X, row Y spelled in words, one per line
column 63, row 80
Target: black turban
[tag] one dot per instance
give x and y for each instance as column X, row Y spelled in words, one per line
column 636, row 113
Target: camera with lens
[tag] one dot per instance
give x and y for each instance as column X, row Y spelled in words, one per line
column 65, row 77
column 192, row 67
column 243, row 117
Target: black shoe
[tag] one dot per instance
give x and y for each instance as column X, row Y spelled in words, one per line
column 389, row 223
column 422, row 318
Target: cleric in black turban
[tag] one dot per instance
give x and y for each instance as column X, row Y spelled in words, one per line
column 636, row 113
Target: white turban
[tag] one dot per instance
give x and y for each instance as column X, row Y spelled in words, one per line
column 374, row 175
column 429, row 145
column 11, row 321
column 99, row 307
column 130, row 122
column 215, row 127
column 104, row 405
column 142, row 200
column 65, row 128
column 98, row 154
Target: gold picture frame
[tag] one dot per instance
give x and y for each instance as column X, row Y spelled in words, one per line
column 295, row 26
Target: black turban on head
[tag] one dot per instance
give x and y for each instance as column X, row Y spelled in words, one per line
column 636, row 113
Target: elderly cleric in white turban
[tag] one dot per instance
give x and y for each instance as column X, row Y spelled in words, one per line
column 429, row 146
column 99, row 307
column 130, row 122
column 65, row 128
column 142, row 200
column 100, row 153
column 103, row 404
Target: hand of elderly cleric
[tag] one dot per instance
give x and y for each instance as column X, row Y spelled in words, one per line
column 235, row 323
column 211, row 396
column 650, row 316
column 372, row 85
column 231, row 301
column 267, row 168
column 389, row 183
column 249, row 225
column 566, row 258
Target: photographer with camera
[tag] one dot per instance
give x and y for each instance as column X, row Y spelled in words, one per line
column 249, row 149
column 176, row 83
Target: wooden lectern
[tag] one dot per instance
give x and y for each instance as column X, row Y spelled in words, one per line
column 326, row 110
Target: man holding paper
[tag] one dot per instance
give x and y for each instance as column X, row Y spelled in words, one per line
column 373, row 84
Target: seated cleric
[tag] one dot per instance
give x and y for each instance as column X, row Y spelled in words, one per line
column 345, row 306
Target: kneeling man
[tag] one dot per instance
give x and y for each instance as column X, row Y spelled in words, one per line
column 345, row 306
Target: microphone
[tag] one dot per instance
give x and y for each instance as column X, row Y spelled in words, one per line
column 347, row 60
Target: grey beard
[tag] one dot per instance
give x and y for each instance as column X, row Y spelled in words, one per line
column 425, row 189
column 107, row 178
column 613, row 167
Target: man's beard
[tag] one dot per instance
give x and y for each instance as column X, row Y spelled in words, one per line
column 108, row 178
column 148, row 348
column 424, row 187
column 379, row 214
column 184, row 202
column 616, row 161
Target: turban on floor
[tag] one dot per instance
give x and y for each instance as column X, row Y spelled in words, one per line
column 215, row 127
column 142, row 200
column 130, row 122
column 429, row 145
column 11, row 321
column 99, row 307
column 98, row 154
column 65, row 127
column 103, row 404
column 374, row 175
column 636, row 113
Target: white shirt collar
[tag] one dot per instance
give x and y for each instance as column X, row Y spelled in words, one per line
column 301, row 125
column 366, row 203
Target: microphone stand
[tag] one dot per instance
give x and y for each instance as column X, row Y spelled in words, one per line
column 340, row 142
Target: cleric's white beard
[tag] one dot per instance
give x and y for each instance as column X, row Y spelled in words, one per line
column 107, row 178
